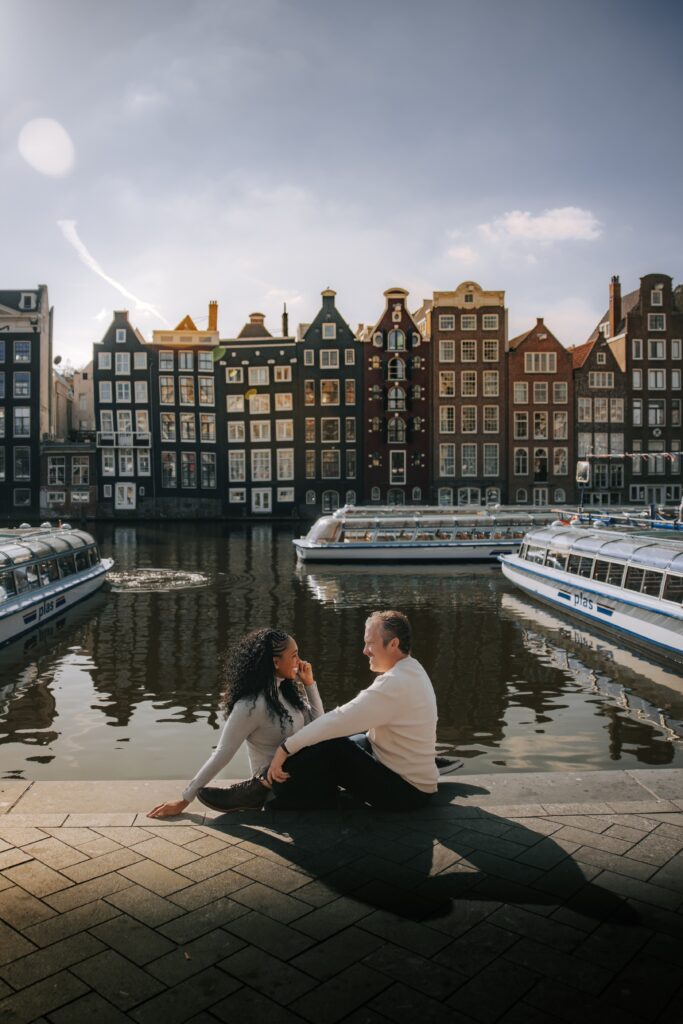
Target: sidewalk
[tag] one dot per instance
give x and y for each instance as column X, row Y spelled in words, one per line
column 515, row 898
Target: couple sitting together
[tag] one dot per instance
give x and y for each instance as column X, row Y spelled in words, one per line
column 380, row 746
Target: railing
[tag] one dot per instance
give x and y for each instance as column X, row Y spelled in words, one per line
column 123, row 439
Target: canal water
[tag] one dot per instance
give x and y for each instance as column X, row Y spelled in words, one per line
column 127, row 685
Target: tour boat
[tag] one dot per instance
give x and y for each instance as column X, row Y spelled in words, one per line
column 627, row 583
column 416, row 534
column 44, row 571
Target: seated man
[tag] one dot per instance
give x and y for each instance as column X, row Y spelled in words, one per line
column 392, row 766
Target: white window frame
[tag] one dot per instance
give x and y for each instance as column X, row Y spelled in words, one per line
column 329, row 332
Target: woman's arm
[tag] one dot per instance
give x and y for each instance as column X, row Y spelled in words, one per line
column 306, row 677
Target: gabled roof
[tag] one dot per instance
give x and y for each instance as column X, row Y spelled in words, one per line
column 186, row 324
column 516, row 342
column 628, row 304
column 580, row 353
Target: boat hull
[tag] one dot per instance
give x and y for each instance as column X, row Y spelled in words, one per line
column 34, row 610
column 642, row 625
column 465, row 551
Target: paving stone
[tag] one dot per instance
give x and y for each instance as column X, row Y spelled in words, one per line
column 463, row 915
column 409, row 934
column 654, row 849
column 663, row 947
column 190, row 997
column 613, row 945
column 246, row 1004
column 637, row 821
column 37, row 878
column 622, row 865
column 210, row 889
column 70, row 923
column 626, row 832
column 43, row 997
column 279, row 981
column 337, row 997
column 16, row 820
column 98, row 847
column 583, row 837
column 117, row 979
column 284, row 879
column 535, row 826
column 546, row 854
column 523, row 1013
column 559, row 1002
column 641, row 806
column 103, row 865
column 12, row 945
column 671, row 876
column 15, row 835
column 40, row 964
column 144, row 905
column 645, row 891
column 588, row 822
column 204, row 919
column 86, row 892
column 565, row 879
column 278, row 939
column 671, row 831
column 132, row 939
column 570, row 810
column 272, row 903
column 20, row 909
column 179, row 834
column 214, row 864
column 204, row 846
column 477, row 948
column 329, row 957
column 9, row 858
column 170, row 855
column 328, row 920
column 643, row 988
column 317, row 893
column 404, row 1005
column 123, row 836
column 75, row 837
column 496, row 988
column 54, row 853
column 155, row 877
column 554, row 963
column 529, row 925
column 414, row 970
column 194, row 956
column 99, row 820
column 87, row 1009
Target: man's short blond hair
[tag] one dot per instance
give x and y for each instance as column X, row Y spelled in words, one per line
column 394, row 624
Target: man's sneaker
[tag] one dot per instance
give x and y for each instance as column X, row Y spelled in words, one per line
column 243, row 796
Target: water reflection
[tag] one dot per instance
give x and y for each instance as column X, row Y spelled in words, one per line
column 132, row 689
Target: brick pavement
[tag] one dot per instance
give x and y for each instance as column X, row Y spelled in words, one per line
column 510, row 899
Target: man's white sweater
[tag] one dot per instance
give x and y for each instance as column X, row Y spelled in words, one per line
column 398, row 712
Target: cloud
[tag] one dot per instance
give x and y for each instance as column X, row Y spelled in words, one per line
column 68, row 229
column 464, row 254
column 561, row 224
column 46, row 145
column 102, row 315
column 143, row 100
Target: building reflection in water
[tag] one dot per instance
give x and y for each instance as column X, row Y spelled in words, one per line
column 516, row 689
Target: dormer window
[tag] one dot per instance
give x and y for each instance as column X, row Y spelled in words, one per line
column 396, row 341
column 469, row 297
column 601, row 359
column 27, row 300
column 120, row 335
column 329, row 332
column 657, row 297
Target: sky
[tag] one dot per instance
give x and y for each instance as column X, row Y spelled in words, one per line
column 156, row 154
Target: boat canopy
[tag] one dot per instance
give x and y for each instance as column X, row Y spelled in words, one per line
column 18, row 547
column 608, row 545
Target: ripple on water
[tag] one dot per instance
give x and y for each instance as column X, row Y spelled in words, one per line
column 155, row 580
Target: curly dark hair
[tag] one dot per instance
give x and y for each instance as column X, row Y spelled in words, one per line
column 250, row 672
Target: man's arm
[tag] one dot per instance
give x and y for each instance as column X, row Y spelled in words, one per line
column 370, row 708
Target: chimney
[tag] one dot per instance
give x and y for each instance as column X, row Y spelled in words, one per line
column 614, row 306
column 213, row 315
column 285, row 321
column 539, row 321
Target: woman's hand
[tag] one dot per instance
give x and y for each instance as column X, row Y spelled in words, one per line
column 276, row 772
column 306, row 673
column 169, row 809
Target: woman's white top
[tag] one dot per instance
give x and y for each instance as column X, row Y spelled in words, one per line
column 262, row 731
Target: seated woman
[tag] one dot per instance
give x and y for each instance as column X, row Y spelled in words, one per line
column 264, row 706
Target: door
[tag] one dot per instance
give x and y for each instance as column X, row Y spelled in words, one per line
column 261, row 499
column 124, row 498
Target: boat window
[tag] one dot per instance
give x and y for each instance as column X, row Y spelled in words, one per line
column 601, row 570
column 387, row 535
column 82, row 561
column 615, row 574
column 8, row 587
column 94, row 556
column 325, row 529
column 67, row 565
column 425, row 534
column 673, row 588
column 522, row 552
column 652, row 583
column 556, row 559
column 27, row 578
column 580, row 565
column 535, row 554
column 48, row 571
column 634, row 578
column 357, row 536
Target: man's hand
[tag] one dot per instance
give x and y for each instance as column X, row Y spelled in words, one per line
column 306, row 673
column 169, row 809
column 276, row 772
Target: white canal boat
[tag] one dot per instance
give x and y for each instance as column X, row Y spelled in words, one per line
column 44, row 571
column 627, row 583
column 417, row 534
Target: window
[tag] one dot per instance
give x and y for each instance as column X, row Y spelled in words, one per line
column 656, row 297
column 165, row 362
column 656, row 348
column 284, row 430
column 2, row 422
column 541, row 426
column 560, row 426
column 446, row 322
column 104, row 360
column 656, row 321
column 447, row 419
column 520, row 393
column 186, row 390
column 561, row 461
column 140, row 392
column 656, row 380
column 144, row 462
column 675, row 348
column 108, row 463
column 330, row 464
column 22, row 384
column 185, row 361
column 282, row 374
column 120, row 335
column 675, row 412
column 601, row 358
column 2, row 351
column 329, row 429
column 491, row 419
column 601, row 379
column 396, row 341
column 310, row 465
column 490, row 382
column 447, row 351
column 489, row 321
column 468, row 351
column 105, row 391
column 540, row 392
column 56, row 498
column 447, row 384
column 285, row 464
column 22, row 421
column 123, row 391
column 396, row 431
column 283, row 402
column 637, row 380
column 521, row 461
column 468, row 419
column 166, row 391
column 126, row 464
column 207, row 426
column 540, row 465
column 188, row 426
column 22, row 496
column 260, row 464
column 521, row 496
column 329, row 392
column 22, row 351
column 585, row 409
column 560, row 392
column 521, row 425
column 56, row 470
column 207, row 391
column 309, row 357
column 237, row 495
column 285, row 494
column 445, row 496
column 396, row 369
column 490, row 350
column 235, row 432
column 540, row 362
column 396, row 399
column 167, row 422
column 675, row 380
column 656, row 412
column 124, row 423
column 351, row 464
column 205, row 362
column 236, row 466
column 600, row 410
column 329, row 358
column 637, row 412
column 80, row 470
column 491, row 460
column 468, row 322
column 637, row 348
column 123, row 363
column 468, row 383
column 349, row 357
column 468, row 459
column 259, row 405
column 616, row 410
column 208, row 470
column 397, row 466
column 234, row 403
column 329, row 332
column 234, row 375
column 259, row 376
column 259, row 430
column 350, row 428
column 188, row 469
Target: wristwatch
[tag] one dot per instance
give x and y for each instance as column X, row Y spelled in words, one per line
column 283, row 746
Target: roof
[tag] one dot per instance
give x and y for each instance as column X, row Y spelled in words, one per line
column 254, row 331
column 186, row 324
column 628, row 304
column 643, row 548
column 580, row 353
